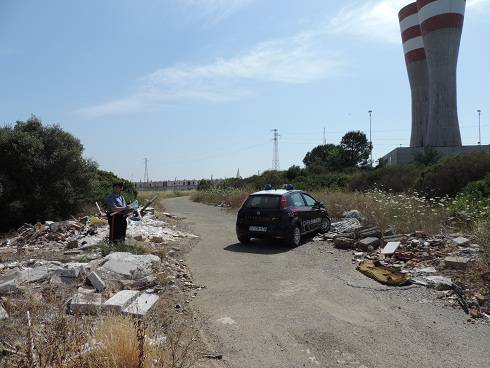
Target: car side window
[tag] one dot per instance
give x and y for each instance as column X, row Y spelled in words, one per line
column 296, row 200
column 310, row 201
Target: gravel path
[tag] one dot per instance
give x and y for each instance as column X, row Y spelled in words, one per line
column 269, row 306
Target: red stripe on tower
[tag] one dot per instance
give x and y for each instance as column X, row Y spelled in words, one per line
column 442, row 21
column 407, row 11
column 415, row 55
column 411, row 32
column 439, row 14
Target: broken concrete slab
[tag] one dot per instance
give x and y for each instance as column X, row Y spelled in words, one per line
column 390, row 248
column 365, row 243
column 3, row 314
column 344, row 243
column 143, row 303
column 346, row 225
column 96, row 282
column 9, row 287
column 83, row 303
column 459, row 263
column 440, row 283
column 461, row 241
column 130, row 265
column 120, row 301
column 353, row 214
column 72, row 270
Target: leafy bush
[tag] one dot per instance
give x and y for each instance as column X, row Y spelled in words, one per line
column 43, row 175
column 451, row 175
column 396, row 179
column 473, row 203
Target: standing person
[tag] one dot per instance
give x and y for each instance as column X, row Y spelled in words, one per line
column 116, row 214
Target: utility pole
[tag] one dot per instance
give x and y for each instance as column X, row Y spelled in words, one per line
column 370, row 134
column 146, row 178
column 324, row 137
column 275, row 156
column 479, row 126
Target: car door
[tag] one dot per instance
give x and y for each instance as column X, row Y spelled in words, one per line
column 297, row 204
column 314, row 212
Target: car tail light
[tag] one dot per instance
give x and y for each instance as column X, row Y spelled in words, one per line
column 284, row 202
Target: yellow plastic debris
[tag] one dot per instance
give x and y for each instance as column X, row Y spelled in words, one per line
column 97, row 221
column 382, row 274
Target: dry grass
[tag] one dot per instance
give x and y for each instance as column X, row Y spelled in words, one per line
column 406, row 213
column 52, row 338
column 143, row 197
column 481, row 232
column 230, row 198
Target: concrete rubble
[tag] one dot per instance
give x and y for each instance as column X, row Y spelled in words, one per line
column 69, row 254
column 439, row 262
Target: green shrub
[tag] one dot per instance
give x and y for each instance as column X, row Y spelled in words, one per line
column 473, row 203
column 396, row 179
column 43, row 175
column 451, row 175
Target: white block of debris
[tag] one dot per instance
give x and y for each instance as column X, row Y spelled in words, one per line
column 130, row 265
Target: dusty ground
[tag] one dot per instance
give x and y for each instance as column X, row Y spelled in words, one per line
column 269, row 306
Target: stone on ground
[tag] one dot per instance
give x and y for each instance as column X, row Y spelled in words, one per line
column 457, row 262
column 141, row 305
column 368, row 242
column 96, row 281
column 130, row 265
column 3, row 314
column 390, row 248
column 83, row 303
column 120, row 301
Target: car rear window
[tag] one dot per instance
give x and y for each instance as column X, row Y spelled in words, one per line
column 263, row 201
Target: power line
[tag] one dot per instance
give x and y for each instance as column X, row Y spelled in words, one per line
column 275, row 156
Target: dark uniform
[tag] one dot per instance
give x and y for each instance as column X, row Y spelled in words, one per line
column 117, row 222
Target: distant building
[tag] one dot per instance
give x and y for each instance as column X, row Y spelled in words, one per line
column 170, row 185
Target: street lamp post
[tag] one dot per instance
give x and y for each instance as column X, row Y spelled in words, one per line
column 370, row 134
column 479, row 126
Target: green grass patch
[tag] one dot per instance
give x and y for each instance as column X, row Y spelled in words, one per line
column 129, row 246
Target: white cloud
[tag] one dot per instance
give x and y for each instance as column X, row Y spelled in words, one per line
column 215, row 10
column 376, row 20
column 294, row 60
column 477, row 4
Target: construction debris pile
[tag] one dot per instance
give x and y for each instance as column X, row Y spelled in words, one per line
column 442, row 262
column 69, row 254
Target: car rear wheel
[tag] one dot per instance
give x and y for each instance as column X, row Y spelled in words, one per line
column 325, row 225
column 294, row 239
column 244, row 239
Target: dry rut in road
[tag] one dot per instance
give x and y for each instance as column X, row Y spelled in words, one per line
column 270, row 306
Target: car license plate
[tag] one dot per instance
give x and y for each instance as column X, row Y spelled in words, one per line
column 259, row 229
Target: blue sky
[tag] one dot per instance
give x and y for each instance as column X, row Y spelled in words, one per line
column 197, row 85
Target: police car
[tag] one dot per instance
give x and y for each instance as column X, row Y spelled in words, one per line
column 281, row 214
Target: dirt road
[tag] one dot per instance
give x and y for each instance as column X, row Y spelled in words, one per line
column 269, row 306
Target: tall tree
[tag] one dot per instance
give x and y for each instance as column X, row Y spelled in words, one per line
column 328, row 156
column 356, row 148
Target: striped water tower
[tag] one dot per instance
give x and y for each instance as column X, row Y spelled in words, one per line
column 415, row 58
column 441, row 22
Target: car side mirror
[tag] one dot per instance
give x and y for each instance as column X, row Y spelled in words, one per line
column 320, row 205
